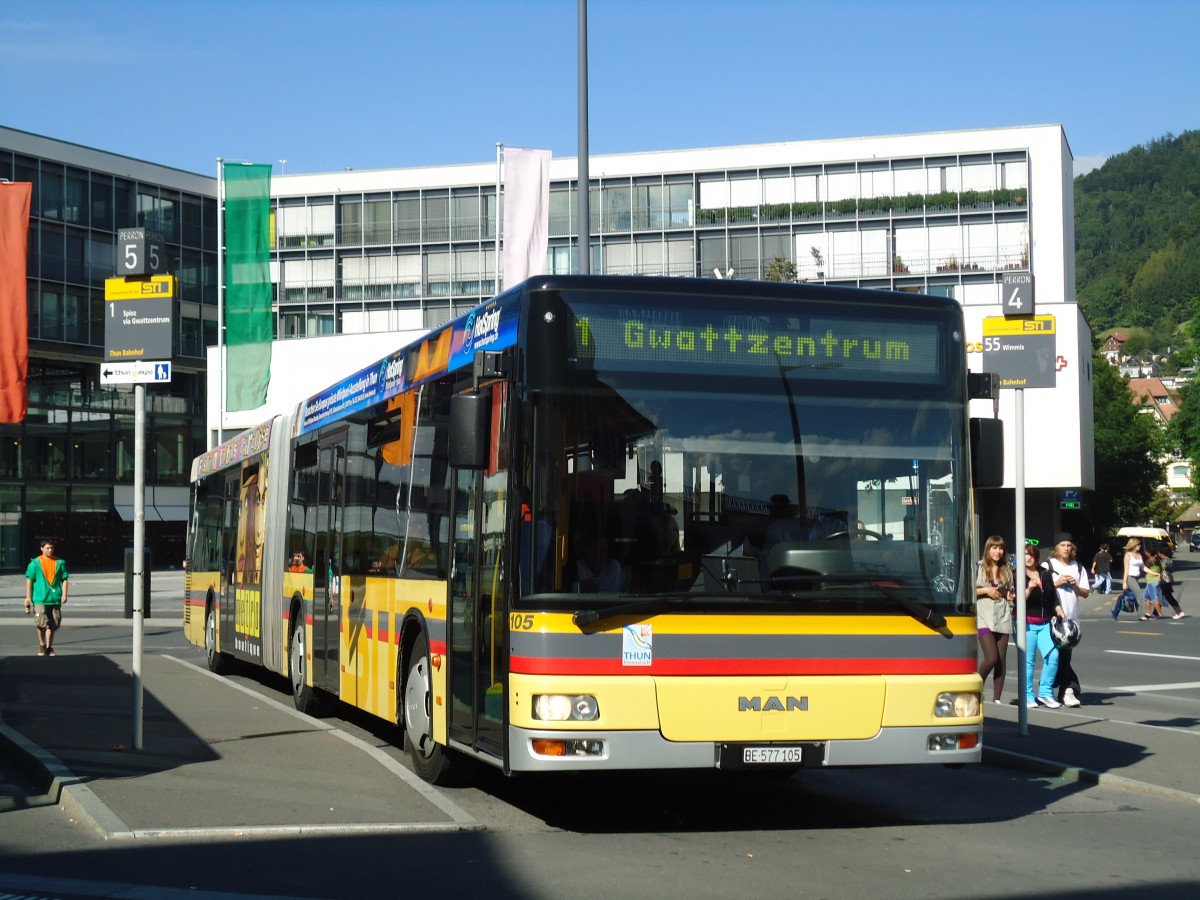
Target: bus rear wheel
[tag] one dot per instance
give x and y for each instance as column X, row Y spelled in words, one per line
column 217, row 662
column 302, row 691
column 430, row 760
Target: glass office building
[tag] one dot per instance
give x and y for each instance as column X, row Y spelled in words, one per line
column 66, row 472
column 358, row 252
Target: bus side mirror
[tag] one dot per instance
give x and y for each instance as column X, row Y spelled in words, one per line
column 468, row 447
column 987, row 453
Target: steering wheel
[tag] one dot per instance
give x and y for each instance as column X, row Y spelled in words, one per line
column 858, row 532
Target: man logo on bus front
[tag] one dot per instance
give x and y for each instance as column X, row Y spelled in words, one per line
column 772, row 704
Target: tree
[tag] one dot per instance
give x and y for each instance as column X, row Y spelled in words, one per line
column 1129, row 447
column 780, row 269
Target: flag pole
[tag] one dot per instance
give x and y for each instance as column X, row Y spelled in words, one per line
column 585, row 238
column 499, row 150
column 221, row 298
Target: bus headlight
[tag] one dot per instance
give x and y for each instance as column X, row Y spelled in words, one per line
column 562, row 707
column 955, row 705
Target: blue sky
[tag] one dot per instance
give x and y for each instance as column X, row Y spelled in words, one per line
column 371, row 84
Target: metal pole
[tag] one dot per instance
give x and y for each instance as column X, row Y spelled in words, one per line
column 139, row 550
column 585, row 238
column 499, row 150
column 221, row 298
column 1019, row 563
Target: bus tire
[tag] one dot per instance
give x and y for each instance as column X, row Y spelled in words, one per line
column 302, row 691
column 217, row 662
column 430, row 760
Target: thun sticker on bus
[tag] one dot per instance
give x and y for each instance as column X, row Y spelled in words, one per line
column 637, row 645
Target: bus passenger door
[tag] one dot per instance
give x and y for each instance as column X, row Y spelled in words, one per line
column 327, row 563
column 478, row 663
column 230, row 514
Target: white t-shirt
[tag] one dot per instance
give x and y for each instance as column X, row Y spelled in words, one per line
column 1067, row 598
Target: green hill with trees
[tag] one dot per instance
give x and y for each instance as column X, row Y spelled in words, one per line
column 1137, row 269
column 1137, row 238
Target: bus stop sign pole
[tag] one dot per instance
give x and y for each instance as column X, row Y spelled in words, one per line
column 139, row 544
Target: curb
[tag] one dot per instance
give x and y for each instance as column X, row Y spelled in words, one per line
column 60, row 784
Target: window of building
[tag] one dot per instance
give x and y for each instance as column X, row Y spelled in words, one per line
column 650, row 257
column 562, row 212
column 617, row 207
column 50, row 197
column 681, row 256
column 377, row 220
column 560, row 260
column 465, row 215
column 681, row 199
column 648, row 206
column 436, row 226
column 437, row 273
column 102, row 202
column 713, row 254
column 350, row 220
column 75, row 201
column 407, row 211
column 618, row 258
column 743, row 255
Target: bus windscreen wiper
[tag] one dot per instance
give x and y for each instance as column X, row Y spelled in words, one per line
column 891, row 588
column 583, row 617
column 656, row 602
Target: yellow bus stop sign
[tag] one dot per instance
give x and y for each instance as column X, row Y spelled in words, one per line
column 1021, row 351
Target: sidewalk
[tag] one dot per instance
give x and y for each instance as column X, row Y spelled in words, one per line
column 1077, row 746
column 217, row 759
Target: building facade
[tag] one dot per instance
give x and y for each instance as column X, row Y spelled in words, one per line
column 66, row 472
column 402, row 250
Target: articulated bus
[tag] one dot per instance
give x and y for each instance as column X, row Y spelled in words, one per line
column 610, row 523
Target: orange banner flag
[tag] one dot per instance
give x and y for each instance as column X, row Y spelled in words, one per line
column 14, row 311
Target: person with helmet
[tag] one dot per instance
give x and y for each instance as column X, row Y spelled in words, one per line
column 1071, row 583
column 1041, row 605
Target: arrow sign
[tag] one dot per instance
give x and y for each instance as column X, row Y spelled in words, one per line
column 138, row 372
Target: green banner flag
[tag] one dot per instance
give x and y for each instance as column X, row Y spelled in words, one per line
column 249, row 325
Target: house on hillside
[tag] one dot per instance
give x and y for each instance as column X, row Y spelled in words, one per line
column 1114, row 348
column 1153, row 397
column 1141, row 366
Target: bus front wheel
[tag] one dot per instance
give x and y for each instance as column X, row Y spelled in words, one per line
column 430, row 760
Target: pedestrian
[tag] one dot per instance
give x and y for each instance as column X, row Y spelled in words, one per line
column 1153, row 593
column 994, row 599
column 1133, row 579
column 45, row 593
column 1041, row 604
column 1071, row 583
column 1102, row 569
column 1167, row 585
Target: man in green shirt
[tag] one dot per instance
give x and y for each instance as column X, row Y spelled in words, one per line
column 45, row 593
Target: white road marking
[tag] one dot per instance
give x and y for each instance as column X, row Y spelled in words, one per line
column 1155, row 655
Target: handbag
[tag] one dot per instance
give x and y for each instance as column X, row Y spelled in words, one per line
column 1128, row 601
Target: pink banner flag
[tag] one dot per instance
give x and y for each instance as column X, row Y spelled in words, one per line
column 526, row 213
column 14, row 311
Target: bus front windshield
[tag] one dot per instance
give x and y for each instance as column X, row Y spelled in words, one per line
column 759, row 488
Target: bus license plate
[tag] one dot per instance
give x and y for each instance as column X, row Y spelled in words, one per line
column 772, row 755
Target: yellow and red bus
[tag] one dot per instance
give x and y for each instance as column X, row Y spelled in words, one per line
column 607, row 523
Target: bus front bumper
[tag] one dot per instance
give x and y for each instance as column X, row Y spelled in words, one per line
column 549, row 751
